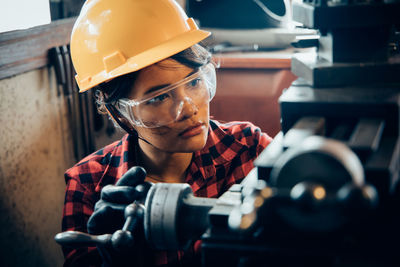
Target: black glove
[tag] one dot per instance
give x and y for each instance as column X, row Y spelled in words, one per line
column 108, row 215
column 108, row 218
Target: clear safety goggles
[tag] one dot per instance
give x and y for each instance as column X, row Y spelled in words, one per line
column 166, row 105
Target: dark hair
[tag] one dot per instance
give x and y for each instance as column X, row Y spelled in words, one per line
column 109, row 92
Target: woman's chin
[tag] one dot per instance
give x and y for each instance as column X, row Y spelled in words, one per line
column 193, row 144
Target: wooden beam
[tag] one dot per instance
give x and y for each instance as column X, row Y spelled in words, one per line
column 25, row 50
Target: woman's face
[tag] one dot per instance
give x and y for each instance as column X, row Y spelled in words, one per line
column 189, row 132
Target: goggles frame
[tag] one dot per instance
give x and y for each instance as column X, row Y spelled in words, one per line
column 125, row 105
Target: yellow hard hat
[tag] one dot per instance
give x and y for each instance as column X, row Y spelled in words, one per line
column 111, row 38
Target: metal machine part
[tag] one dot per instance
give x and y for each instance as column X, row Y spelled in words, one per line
column 121, row 240
column 314, row 172
column 353, row 47
column 330, row 162
column 174, row 217
column 311, row 188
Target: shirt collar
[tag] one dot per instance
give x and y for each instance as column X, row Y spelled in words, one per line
column 119, row 161
column 220, row 149
column 221, row 145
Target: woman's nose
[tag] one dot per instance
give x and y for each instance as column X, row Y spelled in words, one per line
column 187, row 108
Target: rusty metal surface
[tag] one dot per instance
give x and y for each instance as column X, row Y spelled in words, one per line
column 35, row 150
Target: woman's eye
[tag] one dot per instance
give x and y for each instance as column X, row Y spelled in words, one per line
column 157, row 99
column 195, row 82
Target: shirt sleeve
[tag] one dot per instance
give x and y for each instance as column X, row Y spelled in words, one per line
column 78, row 206
column 263, row 140
column 255, row 142
column 254, row 139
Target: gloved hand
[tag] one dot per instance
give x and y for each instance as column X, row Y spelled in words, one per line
column 108, row 217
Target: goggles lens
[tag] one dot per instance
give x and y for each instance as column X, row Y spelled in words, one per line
column 166, row 105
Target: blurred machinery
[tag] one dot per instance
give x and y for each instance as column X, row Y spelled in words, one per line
column 327, row 187
column 325, row 191
column 238, row 14
column 245, row 25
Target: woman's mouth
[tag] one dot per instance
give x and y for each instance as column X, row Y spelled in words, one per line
column 193, row 130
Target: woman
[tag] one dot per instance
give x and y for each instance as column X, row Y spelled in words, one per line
column 155, row 81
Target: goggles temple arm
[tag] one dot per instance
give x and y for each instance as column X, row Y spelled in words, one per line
column 115, row 114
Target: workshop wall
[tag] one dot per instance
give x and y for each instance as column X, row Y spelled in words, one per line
column 35, row 151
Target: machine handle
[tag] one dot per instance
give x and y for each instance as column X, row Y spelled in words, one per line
column 78, row 239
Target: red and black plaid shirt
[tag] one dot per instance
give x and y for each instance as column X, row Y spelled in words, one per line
column 225, row 160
